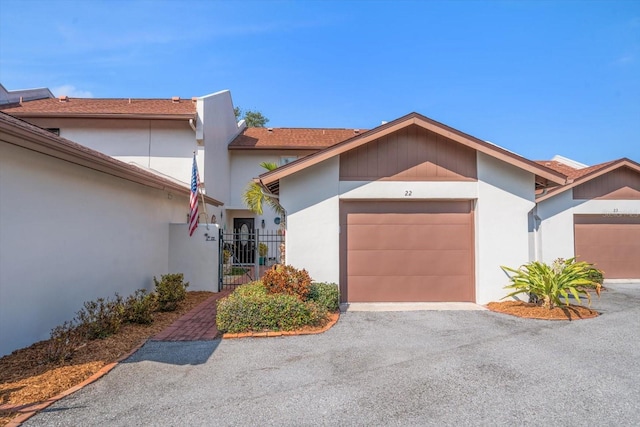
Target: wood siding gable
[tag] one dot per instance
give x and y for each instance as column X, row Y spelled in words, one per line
column 410, row 154
column 619, row 184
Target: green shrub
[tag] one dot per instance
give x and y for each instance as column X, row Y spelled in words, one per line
column 251, row 308
column 326, row 295
column 170, row 290
column 250, row 290
column 139, row 307
column 286, row 279
column 549, row 283
column 101, row 318
column 64, row 341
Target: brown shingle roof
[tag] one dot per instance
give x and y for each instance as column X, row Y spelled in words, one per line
column 96, row 107
column 291, row 138
column 570, row 172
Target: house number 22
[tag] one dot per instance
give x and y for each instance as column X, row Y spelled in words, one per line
column 408, row 193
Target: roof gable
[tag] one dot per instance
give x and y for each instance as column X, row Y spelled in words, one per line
column 582, row 176
column 270, row 179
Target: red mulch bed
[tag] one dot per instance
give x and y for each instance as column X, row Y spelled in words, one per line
column 533, row 311
column 26, row 377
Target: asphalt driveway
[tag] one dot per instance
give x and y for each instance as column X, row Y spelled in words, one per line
column 395, row 368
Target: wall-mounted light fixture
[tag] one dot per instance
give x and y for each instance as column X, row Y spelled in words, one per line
column 262, row 224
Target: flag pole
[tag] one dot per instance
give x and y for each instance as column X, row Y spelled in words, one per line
column 204, row 205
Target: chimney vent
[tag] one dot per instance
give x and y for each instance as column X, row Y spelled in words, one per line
column 270, row 129
column 175, row 99
column 63, row 98
column 194, row 99
column 356, row 131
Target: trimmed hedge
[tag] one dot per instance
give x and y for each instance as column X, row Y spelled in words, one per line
column 326, row 295
column 251, row 308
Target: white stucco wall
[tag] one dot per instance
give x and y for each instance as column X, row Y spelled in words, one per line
column 195, row 256
column 69, row 234
column 311, row 200
column 556, row 227
column 165, row 146
column 217, row 127
column 505, row 198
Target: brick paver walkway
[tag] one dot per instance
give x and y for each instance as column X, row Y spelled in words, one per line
column 197, row 325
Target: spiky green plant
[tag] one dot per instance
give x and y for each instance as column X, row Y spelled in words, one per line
column 255, row 198
column 552, row 283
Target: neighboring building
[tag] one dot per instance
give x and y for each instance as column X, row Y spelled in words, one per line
column 161, row 135
column 18, row 96
column 417, row 211
column 596, row 217
column 77, row 225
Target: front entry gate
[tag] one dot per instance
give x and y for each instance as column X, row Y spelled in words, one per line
column 246, row 253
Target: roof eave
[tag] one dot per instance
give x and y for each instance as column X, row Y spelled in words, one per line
column 278, row 147
column 141, row 116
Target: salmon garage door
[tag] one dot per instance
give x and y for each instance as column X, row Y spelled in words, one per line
column 611, row 243
column 407, row 251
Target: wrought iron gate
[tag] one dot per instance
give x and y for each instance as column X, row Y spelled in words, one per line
column 246, row 254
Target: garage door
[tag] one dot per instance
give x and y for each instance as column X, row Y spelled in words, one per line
column 407, row 251
column 611, row 243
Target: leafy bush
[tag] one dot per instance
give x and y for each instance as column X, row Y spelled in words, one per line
column 251, row 290
column 252, row 308
column 170, row 290
column 286, row 279
column 64, row 341
column 101, row 318
column 326, row 295
column 549, row 283
column 139, row 307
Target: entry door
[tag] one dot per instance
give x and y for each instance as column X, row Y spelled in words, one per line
column 244, row 240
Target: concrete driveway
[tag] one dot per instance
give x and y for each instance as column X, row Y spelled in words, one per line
column 397, row 368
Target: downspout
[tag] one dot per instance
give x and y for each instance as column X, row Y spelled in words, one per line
column 537, row 234
column 192, row 124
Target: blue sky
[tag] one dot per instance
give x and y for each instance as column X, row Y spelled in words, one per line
column 536, row 77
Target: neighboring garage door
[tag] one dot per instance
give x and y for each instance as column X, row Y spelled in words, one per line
column 407, row 251
column 611, row 243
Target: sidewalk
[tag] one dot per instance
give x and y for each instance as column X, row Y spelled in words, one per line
column 197, row 325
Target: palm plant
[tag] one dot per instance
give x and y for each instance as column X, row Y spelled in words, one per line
column 551, row 283
column 254, row 197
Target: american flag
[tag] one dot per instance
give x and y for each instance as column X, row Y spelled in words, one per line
column 193, row 200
